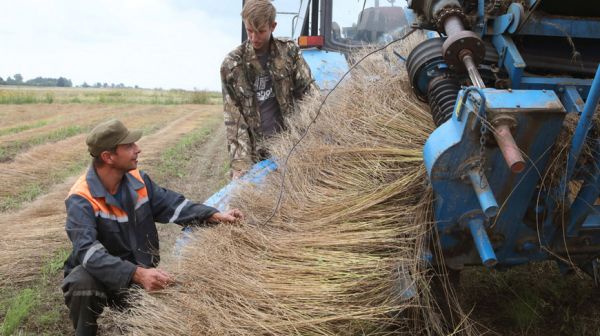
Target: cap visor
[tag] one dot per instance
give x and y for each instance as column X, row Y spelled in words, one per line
column 132, row 137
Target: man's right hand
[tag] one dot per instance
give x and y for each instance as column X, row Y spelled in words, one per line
column 152, row 279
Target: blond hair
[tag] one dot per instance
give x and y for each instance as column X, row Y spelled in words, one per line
column 257, row 13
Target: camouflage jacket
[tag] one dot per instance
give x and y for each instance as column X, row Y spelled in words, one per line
column 291, row 81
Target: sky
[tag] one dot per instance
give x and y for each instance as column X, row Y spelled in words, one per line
column 169, row 44
column 150, row 43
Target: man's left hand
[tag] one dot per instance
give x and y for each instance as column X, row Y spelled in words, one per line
column 229, row 216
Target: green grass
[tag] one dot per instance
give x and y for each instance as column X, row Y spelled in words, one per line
column 10, row 150
column 49, row 318
column 200, row 98
column 18, row 309
column 35, row 305
column 19, row 95
column 226, row 168
column 524, row 310
column 49, row 98
column 21, row 128
column 18, row 98
column 54, row 264
column 28, row 194
column 174, row 159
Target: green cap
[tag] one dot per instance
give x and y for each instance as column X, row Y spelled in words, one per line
column 108, row 135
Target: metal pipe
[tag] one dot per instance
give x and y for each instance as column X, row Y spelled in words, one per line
column 484, row 193
column 510, row 150
column 314, row 20
column 474, row 75
column 481, row 9
column 304, row 30
column 482, row 242
column 244, row 34
column 453, row 25
column 584, row 124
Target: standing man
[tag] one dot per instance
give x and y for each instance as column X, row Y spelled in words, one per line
column 111, row 212
column 262, row 79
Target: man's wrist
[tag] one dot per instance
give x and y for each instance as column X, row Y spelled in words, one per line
column 215, row 217
column 136, row 278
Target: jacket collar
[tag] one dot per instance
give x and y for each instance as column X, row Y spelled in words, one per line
column 98, row 190
column 250, row 54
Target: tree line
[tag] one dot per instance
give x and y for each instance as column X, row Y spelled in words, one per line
column 17, row 79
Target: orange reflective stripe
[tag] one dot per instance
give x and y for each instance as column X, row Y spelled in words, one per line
column 142, row 192
column 101, row 209
column 81, row 188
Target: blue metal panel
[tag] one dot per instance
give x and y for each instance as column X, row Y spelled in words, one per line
column 525, row 100
column 562, row 26
column 431, row 34
column 451, row 132
column 501, row 24
column 572, row 100
column 538, row 83
column 508, row 22
column 565, row 87
column 510, row 59
column 410, row 16
column 593, row 219
column 327, row 67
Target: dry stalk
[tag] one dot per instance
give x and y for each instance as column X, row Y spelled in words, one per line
column 342, row 254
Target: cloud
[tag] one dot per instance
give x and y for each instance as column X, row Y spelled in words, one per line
column 151, row 43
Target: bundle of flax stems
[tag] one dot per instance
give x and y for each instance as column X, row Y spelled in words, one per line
column 342, row 253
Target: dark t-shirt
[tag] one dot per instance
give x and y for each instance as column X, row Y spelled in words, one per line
column 119, row 195
column 271, row 120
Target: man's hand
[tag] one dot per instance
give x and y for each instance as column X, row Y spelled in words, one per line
column 152, row 279
column 229, row 216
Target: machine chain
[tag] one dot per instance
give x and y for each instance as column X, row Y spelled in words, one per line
column 446, row 12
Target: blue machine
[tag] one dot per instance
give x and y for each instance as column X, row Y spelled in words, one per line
column 500, row 81
column 327, row 67
column 500, row 76
column 331, row 30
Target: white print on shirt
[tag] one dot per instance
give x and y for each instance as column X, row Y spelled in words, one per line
column 263, row 87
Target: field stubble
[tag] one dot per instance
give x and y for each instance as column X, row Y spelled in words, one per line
column 33, row 186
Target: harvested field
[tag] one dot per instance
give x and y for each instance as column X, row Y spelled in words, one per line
column 36, row 180
column 111, row 96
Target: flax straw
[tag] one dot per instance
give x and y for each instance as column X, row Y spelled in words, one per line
column 342, row 254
